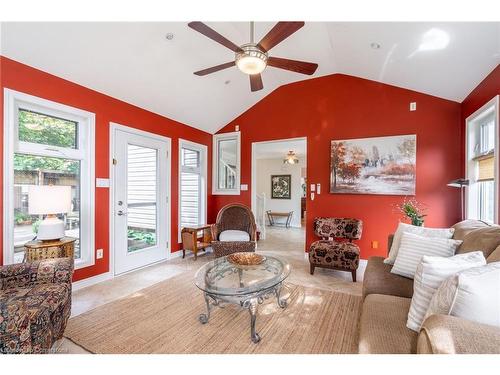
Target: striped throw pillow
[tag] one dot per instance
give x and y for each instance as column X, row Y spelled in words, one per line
column 414, row 247
column 430, row 274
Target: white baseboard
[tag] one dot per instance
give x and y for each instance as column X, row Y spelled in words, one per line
column 80, row 284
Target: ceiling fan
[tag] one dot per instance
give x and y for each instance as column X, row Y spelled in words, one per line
column 252, row 58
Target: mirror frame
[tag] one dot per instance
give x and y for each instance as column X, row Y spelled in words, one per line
column 215, row 170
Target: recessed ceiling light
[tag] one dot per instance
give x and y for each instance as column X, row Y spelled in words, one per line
column 227, row 82
column 169, row 36
column 375, row 45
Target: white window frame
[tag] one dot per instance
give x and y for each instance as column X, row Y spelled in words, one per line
column 85, row 153
column 472, row 132
column 203, row 150
column 215, row 170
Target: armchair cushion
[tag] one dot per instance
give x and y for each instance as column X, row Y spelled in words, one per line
column 343, row 255
column 234, row 235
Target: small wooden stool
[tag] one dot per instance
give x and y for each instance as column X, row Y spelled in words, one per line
column 38, row 250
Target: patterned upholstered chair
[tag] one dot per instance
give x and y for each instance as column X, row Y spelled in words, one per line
column 234, row 230
column 335, row 249
column 35, row 304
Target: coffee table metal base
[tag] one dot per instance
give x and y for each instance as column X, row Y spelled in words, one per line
column 248, row 301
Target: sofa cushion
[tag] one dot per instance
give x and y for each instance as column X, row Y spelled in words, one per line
column 466, row 226
column 485, row 239
column 234, row 235
column 382, row 327
column 378, row 279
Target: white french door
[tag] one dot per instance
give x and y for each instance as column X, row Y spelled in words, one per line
column 140, row 209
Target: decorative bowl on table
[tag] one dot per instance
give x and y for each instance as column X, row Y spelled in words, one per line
column 246, row 259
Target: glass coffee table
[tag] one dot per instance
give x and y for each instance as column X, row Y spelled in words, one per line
column 223, row 282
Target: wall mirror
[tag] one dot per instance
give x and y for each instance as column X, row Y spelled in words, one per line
column 226, row 165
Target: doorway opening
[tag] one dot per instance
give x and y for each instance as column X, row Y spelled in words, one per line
column 279, row 180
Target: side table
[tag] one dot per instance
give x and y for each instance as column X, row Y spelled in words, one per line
column 37, row 249
column 192, row 240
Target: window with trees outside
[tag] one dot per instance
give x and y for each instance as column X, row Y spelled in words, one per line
column 192, row 184
column 482, row 135
column 51, row 144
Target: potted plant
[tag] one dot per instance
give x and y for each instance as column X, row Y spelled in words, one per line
column 413, row 210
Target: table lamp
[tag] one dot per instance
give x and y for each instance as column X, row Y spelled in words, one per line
column 49, row 200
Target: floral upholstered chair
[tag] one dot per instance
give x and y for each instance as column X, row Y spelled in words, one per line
column 335, row 249
column 35, row 304
column 234, row 230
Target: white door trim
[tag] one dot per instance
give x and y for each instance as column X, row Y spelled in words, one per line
column 112, row 129
column 253, row 182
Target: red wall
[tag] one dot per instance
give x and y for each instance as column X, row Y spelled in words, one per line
column 23, row 78
column 342, row 107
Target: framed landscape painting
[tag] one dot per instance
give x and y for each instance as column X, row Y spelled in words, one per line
column 281, row 186
column 379, row 165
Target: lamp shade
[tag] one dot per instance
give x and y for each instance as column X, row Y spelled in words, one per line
column 49, row 199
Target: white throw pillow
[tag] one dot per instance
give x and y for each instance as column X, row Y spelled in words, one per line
column 421, row 231
column 431, row 272
column 473, row 294
column 234, row 235
column 478, row 295
column 414, row 247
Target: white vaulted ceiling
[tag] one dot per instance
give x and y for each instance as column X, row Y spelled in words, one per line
column 134, row 62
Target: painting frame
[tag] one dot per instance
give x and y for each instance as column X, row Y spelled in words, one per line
column 281, row 186
column 384, row 165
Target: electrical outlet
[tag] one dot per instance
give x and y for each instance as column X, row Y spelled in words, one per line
column 99, row 254
column 413, row 106
column 374, row 244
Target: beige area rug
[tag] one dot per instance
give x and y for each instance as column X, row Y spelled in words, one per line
column 164, row 319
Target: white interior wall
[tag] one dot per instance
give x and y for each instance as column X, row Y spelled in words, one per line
column 268, row 167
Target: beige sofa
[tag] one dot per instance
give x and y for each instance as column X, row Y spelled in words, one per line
column 387, row 298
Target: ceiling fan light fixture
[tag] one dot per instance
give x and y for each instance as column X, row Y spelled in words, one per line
column 252, row 60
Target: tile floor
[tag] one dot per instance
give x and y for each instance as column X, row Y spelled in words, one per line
column 282, row 242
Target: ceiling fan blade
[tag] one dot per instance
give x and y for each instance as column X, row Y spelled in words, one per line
column 214, row 69
column 214, row 35
column 256, row 82
column 293, row 65
column 279, row 33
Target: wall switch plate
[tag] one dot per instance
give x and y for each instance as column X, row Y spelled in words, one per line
column 413, row 106
column 313, row 187
column 243, row 187
column 318, row 188
column 102, row 182
column 99, row 253
column 374, row 244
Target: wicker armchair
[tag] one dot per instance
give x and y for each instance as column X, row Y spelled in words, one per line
column 335, row 249
column 234, row 217
column 35, row 304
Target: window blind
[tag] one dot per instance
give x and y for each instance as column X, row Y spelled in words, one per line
column 486, row 168
column 190, row 188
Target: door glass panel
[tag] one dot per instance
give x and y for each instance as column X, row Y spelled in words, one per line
column 43, row 170
column 47, row 130
column 228, row 149
column 141, row 197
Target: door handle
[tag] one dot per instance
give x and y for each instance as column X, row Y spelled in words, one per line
column 121, row 213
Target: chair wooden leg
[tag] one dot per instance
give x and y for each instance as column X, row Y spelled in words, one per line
column 353, row 273
column 311, row 268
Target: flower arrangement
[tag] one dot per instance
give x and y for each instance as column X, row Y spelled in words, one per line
column 412, row 210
